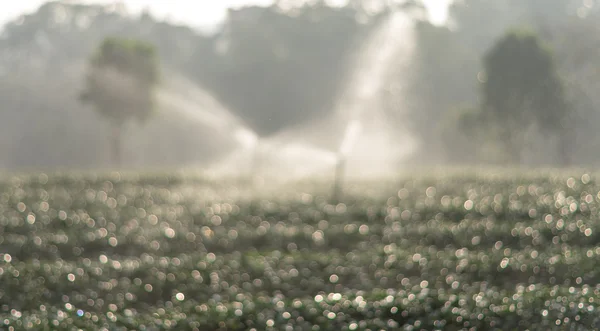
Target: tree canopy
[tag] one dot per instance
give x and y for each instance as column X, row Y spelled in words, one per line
column 522, row 82
column 120, row 84
column 121, row 78
column 521, row 90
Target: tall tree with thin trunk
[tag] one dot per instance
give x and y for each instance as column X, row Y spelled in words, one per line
column 119, row 84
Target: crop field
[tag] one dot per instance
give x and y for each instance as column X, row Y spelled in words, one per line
column 485, row 251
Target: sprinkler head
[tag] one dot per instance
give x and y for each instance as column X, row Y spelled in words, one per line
column 339, row 174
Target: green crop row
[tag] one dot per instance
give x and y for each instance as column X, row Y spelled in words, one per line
column 160, row 252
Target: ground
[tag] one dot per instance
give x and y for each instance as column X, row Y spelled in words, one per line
column 479, row 251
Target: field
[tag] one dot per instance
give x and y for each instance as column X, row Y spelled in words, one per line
column 506, row 251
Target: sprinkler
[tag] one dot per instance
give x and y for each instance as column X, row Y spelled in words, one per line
column 350, row 137
column 340, row 167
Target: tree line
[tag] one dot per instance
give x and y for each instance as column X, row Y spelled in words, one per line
column 502, row 82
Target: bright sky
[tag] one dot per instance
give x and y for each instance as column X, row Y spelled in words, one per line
column 197, row 13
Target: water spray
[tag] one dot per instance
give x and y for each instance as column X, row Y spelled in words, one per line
column 250, row 145
column 291, row 155
column 350, row 137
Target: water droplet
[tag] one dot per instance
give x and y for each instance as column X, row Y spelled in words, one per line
column 468, row 204
column 113, row 241
column 364, row 229
column 430, row 192
column 585, row 178
column 169, row 233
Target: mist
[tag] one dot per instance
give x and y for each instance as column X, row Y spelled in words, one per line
column 292, row 93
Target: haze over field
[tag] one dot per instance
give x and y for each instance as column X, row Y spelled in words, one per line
column 284, row 87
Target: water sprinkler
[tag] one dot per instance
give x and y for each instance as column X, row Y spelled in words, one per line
column 350, row 137
column 340, row 168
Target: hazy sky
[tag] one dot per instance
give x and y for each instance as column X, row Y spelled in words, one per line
column 198, row 13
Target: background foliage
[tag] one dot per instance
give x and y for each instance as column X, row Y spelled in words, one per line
column 301, row 58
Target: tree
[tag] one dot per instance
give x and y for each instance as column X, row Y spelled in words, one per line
column 523, row 90
column 119, row 85
column 447, row 62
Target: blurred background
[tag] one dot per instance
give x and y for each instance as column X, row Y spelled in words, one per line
column 249, row 84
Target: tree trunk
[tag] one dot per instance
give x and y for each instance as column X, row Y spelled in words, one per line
column 565, row 149
column 513, row 146
column 115, row 144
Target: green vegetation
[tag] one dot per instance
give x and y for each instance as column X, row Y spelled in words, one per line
column 521, row 91
column 120, row 84
column 500, row 251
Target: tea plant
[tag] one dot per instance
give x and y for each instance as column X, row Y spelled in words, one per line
column 162, row 252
